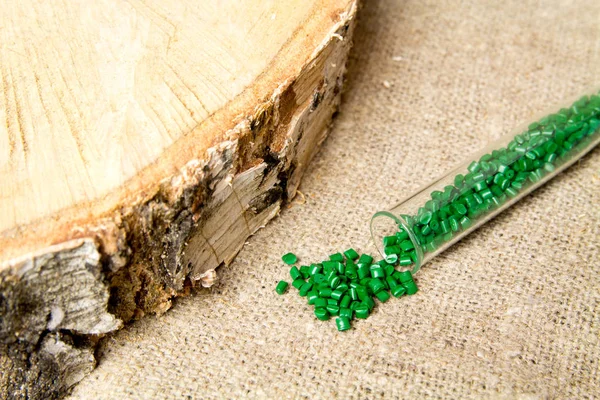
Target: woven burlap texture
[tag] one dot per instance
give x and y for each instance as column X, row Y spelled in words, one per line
column 512, row 311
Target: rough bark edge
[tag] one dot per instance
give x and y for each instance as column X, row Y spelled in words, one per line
column 54, row 305
column 148, row 254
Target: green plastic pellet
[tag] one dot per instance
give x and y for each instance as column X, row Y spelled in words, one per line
column 474, row 167
column 487, row 168
column 351, row 271
column 364, row 270
column 332, row 302
column 377, row 271
column 396, row 275
column 330, row 274
column 337, row 294
column 362, row 311
column 411, row 287
column 337, row 257
column 426, row 230
column 392, row 250
column 304, row 271
column 392, row 258
column 498, row 201
column 321, row 314
column 329, row 265
column 351, row 254
column 445, row 226
column 319, row 278
column 383, row 296
column 478, row 177
column 325, row 293
column 429, row 247
column 376, row 285
column 453, row 221
column 305, row 288
column 345, row 312
column 295, row 273
column 502, row 168
column 314, row 269
column 496, row 190
column 459, row 180
column 391, row 282
column 312, row 296
column 531, row 155
column 405, row 276
column 369, row 302
column 389, row 269
column 432, row 205
column 486, row 194
column 320, row 302
column 520, row 149
column 413, row 255
column 512, row 193
column 401, row 235
column 346, row 300
column 460, row 208
column 399, row 291
column 504, row 184
column 449, row 193
column 407, row 245
column 389, row 241
column 405, row 261
column 365, row 283
column 281, row 287
column 365, row 259
column 289, row 258
column 334, row 282
column 362, row 293
column 297, row 283
column 425, row 217
column 434, row 225
column 382, row 263
column 333, row 309
column 342, row 287
column 342, row 323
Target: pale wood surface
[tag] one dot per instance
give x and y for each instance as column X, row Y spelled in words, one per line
column 97, row 95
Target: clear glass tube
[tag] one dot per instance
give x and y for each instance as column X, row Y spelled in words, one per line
column 441, row 213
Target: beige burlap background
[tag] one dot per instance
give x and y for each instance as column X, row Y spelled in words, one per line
column 512, row 311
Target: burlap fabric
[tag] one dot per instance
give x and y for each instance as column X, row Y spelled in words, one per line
column 513, row 311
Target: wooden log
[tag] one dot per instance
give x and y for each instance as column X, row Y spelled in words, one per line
column 141, row 143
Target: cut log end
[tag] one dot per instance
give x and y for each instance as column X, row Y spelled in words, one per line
column 141, row 247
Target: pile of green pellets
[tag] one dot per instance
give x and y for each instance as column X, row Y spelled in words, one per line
column 346, row 285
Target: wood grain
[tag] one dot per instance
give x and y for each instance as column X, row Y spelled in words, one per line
column 117, row 95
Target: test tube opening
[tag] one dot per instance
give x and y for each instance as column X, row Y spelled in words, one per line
column 385, row 223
